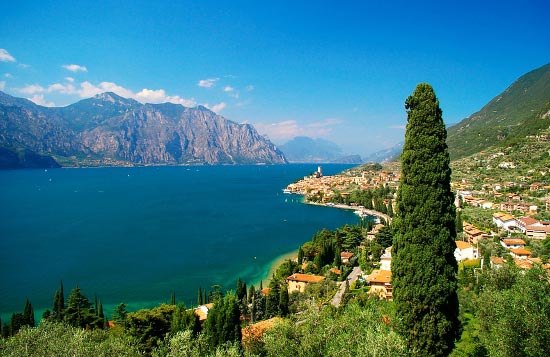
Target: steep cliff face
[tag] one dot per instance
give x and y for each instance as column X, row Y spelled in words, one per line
column 109, row 129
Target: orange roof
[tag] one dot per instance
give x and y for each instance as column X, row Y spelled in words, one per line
column 503, row 216
column 513, row 241
column 523, row 264
column 520, row 251
column 527, row 221
column 259, row 328
column 346, row 255
column 497, row 260
column 305, row 278
column 336, row 271
column 462, row 245
column 265, row 291
column 202, row 311
column 379, row 276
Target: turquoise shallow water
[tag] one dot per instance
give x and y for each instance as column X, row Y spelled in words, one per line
column 134, row 235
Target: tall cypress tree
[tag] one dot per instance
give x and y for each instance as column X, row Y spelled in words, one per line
column 199, row 297
column 28, row 314
column 424, row 267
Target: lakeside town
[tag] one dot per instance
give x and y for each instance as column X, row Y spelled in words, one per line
column 513, row 230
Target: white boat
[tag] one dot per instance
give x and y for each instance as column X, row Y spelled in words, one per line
column 287, row 191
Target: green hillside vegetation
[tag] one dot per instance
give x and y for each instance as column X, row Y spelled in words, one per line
column 525, row 160
column 507, row 116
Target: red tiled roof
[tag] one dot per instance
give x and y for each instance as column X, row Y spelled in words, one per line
column 305, row 278
column 379, row 276
column 520, row 251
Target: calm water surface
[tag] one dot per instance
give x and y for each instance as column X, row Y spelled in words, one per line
column 134, row 235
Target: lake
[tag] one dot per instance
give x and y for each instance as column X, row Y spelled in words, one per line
column 134, row 235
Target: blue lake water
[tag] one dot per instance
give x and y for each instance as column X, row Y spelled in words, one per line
column 134, row 235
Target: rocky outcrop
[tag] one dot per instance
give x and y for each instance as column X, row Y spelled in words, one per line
column 109, row 129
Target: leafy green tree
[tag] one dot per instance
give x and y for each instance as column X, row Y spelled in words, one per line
column 355, row 331
column 384, row 237
column 223, row 323
column 185, row 319
column 120, row 314
column 53, row 338
column 79, row 312
column 424, row 267
column 149, row 326
column 514, row 315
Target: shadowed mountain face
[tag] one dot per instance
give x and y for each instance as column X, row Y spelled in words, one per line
column 110, row 130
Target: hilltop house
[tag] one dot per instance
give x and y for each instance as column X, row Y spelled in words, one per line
column 202, row 311
column 504, row 221
column 298, row 282
column 473, row 233
column 520, row 253
column 380, row 284
column 465, row 251
column 345, row 257
column 512, row 243
column 533, row 228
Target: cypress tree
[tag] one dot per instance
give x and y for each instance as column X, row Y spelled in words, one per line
column 61, row 306
column 283, row 301
column 300, row 256
column 199, row 297
column 424, row 267
column 251, row 292
column 28, row 314
column 272, row 299
column 173, row 298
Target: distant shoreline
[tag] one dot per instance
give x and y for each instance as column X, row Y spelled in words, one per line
column 369, row 212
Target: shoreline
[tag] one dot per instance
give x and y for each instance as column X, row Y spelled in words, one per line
column 369, row 212
column 274, row 265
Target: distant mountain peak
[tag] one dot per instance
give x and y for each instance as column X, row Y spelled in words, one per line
column 114, row 98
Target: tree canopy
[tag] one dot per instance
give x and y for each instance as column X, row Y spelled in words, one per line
column 424, row 267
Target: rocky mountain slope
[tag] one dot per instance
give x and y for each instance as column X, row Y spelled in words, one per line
column 110, row 130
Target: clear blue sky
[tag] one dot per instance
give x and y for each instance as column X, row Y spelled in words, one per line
column 338, row 70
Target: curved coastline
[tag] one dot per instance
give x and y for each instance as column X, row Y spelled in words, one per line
column 275, row 263
column 369, row 212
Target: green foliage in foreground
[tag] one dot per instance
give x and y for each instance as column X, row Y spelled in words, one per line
column 52, row 338
column 353, row 331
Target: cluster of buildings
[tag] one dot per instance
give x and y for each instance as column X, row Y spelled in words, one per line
column 529, row 226
column 316, row 183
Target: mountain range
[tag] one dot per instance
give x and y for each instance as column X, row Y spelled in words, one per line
column 111, row 130
column 306, row 149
